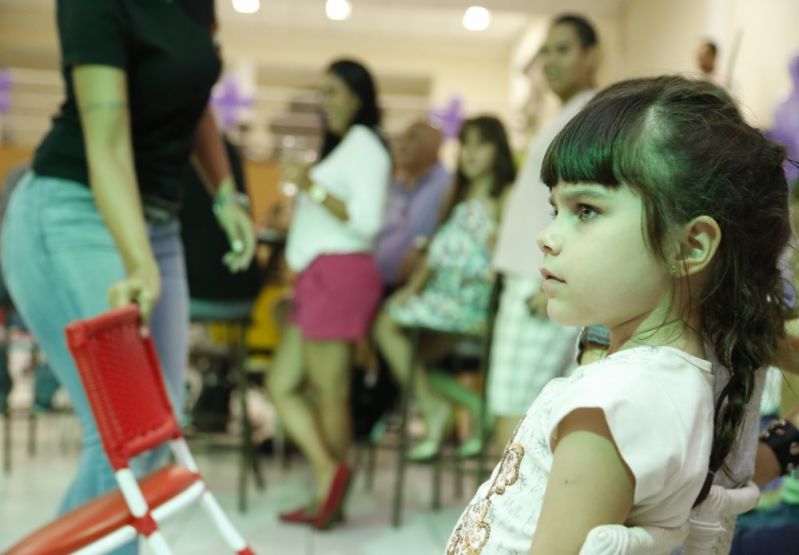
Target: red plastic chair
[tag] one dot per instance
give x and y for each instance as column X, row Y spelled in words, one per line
column 122, row 379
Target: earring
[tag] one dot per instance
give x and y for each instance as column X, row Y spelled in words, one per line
column 673, row 269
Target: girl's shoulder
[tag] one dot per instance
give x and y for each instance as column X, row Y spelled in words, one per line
column 655, row 358
column 658, row 404
column 644, row 371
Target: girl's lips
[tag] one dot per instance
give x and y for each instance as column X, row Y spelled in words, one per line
column 547, row 275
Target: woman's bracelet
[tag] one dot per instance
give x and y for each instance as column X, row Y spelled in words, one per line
column 782, row 438
column 223, row 197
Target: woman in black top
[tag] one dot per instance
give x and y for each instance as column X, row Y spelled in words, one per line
column 94, row 225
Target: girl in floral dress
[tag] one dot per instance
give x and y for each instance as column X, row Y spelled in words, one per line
column 450, row 290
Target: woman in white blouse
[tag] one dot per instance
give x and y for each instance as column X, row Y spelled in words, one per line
column 338, row 288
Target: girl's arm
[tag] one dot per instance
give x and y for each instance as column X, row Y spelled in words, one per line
column 101, row 93
column 589, row 485
column 211, row 162
column 420, row 275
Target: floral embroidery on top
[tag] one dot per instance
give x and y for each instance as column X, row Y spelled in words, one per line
column 473, row 530
column 508, row 470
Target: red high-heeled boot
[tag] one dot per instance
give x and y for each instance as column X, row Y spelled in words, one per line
column 334, row 503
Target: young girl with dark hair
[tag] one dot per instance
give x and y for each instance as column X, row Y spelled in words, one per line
column 451, row 289
column 338, row 287
column 671, row 214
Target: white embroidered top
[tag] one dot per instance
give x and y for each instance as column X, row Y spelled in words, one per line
column 658, row 402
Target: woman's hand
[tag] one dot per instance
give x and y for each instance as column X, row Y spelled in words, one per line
column 235, row 220
column 295, row 171
column 211, row 162
column 142, row 286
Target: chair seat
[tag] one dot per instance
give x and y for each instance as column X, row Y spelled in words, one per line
column 103, row 515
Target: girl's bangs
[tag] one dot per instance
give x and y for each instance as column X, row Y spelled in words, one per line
column 596, row 145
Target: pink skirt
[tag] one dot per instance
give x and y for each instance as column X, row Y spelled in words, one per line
column 337, row 297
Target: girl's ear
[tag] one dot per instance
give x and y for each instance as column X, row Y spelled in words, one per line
column 700, row 241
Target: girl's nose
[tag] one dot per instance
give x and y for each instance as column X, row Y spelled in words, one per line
column 548, row 240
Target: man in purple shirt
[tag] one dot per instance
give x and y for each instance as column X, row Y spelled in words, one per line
column 414, row 202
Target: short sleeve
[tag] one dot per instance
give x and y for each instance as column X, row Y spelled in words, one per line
column 368, row 174
column 92, row 32
column 641, row 420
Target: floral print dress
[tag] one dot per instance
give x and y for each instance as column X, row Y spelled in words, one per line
column 456, row 297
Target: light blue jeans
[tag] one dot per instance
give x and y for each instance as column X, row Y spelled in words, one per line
column 59, row 261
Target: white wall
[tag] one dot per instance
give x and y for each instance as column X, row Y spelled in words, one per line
column 769, row 39
column 478, row 73
column 662, row 36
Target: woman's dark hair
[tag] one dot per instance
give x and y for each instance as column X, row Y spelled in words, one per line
column 585, row 31
column 491, row 131
column 684, row 147
column 360, row 82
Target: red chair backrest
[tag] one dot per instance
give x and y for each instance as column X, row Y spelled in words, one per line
column 123, row 382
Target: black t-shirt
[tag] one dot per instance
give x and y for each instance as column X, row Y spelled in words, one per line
column 167, row 51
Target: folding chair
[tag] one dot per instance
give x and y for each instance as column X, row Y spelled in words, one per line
column 123, row 383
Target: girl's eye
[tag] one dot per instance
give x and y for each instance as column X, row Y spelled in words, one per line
column 553, row 212
column 586, row 212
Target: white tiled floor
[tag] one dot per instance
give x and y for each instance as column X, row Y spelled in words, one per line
column 30, row 493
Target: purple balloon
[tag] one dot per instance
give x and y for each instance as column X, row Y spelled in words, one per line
column 227, row 99
column 786, row 123
column 449, row 118
column 5, row 91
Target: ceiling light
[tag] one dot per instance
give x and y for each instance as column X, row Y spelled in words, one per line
column 476, row 18
column 246, row 6
column 338, row 10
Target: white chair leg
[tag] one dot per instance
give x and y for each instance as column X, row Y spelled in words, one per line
column 158, row 544
column 223, row 524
